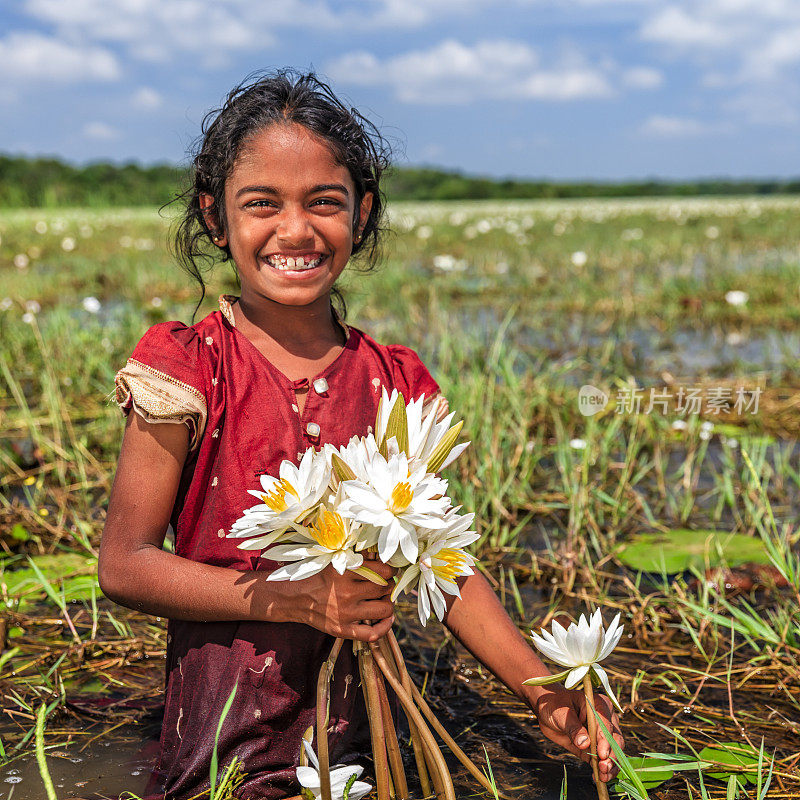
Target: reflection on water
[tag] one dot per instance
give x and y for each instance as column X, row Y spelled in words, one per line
column 87, row 768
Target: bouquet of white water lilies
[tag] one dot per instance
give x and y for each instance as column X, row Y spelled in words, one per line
column 379, row 494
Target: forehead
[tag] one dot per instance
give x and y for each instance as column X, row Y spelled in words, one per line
column 288, row 154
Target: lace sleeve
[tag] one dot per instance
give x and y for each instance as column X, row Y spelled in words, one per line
column 162, row 379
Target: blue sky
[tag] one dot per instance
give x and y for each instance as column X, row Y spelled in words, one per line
column 605, row 89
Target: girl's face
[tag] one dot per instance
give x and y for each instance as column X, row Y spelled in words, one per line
column 290, row 210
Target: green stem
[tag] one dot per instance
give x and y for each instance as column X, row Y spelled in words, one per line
column 40, row 757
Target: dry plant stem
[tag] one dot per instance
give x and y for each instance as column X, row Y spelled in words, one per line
column 392, row 653
column 392, row 745
column 450, row 742
column 323, row 690
column 438, row 727
column 591, row 725
column 427, row 760
column 443, row 783
column 372, row 697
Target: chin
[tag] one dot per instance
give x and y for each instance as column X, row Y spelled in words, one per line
column 298, row 299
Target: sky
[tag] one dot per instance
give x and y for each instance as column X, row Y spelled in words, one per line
column 558, row 89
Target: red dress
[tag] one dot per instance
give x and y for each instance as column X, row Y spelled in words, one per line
column 244, row 420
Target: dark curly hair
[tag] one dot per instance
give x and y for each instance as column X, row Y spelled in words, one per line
column 261, row 100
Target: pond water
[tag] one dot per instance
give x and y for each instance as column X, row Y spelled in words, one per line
column 105, row 766
column 94, row 768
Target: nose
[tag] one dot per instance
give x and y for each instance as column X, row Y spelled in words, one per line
column 294, row 228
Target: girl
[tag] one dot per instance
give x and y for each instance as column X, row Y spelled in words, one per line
column 287, row 185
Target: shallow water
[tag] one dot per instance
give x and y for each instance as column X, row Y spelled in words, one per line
column 103, row 767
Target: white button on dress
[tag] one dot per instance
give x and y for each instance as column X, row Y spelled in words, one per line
column 320, row 386
column 312, row 429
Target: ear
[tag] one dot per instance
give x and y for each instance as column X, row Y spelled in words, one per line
column 363, row 210
column 211, row 219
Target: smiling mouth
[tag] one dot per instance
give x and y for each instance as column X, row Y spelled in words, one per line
column 294, row 263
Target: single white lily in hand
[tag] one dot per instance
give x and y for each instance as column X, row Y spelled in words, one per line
column 396, row 502
column 341, row 777
column 441, row 560
column 579, row 648
column 285, row 501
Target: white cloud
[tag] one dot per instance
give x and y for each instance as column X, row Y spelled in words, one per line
column 452, row 72
column 780, row 51
column 766, row 109
column 34, row 57
column 572, row 83
column 157, row 30
column 669, row 127
column 642, row 78
column 676, row 26
column 101, row 131
column 734, row 41
column 147, row 99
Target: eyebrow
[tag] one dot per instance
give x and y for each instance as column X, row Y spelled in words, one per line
column 321, row 187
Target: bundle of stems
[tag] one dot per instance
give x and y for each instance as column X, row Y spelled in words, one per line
column 380, row 663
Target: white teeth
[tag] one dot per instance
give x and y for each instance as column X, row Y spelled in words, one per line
column 287, row 263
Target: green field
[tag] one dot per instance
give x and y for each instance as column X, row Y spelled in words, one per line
column 514, row 307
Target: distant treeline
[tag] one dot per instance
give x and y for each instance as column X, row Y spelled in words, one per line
column 44, row 182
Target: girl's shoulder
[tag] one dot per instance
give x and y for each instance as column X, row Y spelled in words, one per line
column 168, row 375
column 409, row 373
column 179, row 350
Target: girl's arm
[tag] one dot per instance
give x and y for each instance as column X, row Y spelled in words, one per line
column 134, row 571
column 481, row 624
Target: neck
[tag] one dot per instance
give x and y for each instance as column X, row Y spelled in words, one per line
column 301, row 330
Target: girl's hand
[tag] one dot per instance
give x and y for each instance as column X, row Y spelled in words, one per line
column 344, row 605
column 562, row 719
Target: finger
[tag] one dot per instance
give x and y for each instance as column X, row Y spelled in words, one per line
column 608, row 769
column 373, row 610
column 379, row 568
column 371, row 591
column 569, row 733
column 576, row 731
column 604, row 749
column 564, row 741
column 371, row 633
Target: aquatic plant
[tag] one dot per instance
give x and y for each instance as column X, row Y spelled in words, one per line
column 580, row 648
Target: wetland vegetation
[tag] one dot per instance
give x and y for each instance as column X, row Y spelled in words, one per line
column 684, row 516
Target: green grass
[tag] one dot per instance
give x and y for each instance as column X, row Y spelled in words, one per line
column 511, row 323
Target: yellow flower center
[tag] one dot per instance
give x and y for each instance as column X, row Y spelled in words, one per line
column 276, row 499
column 454, row 560
column 329, row 530
column 401, row 498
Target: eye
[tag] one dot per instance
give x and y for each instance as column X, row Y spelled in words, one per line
column 258, row 204
column 326, row 201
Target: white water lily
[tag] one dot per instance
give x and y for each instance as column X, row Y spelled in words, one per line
column 341, row 776
column 356, row 455
column 441, row 561
column 425, row 433
column 396, row 502
column 736, row 297
column 285, row 501
column 333, row 541
column 580, row 648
